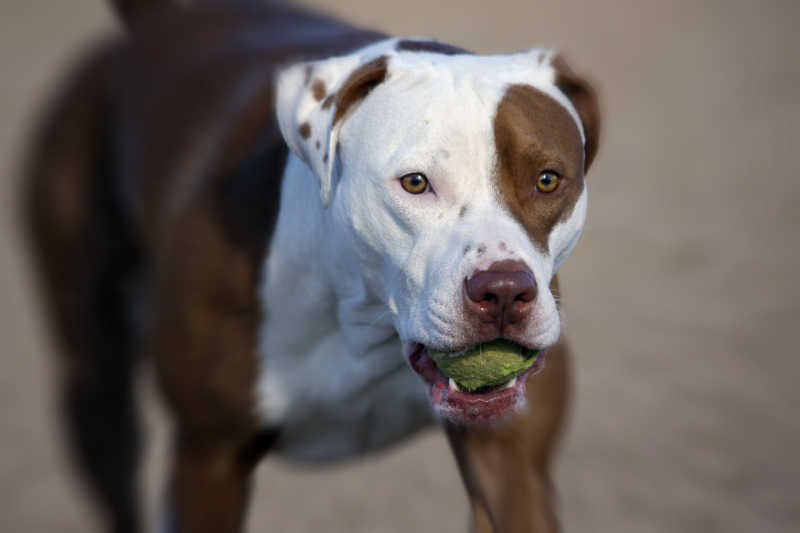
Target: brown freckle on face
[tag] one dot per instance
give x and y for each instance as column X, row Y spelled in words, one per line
column 318, row 90
column 304, row 130
column 325, row 158
column 481, row 249
column 462, row 211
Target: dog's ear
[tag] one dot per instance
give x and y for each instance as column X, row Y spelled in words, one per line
column 584, row 99
column 313, row 98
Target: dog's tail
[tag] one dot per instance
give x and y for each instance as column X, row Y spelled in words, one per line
column 132, row 10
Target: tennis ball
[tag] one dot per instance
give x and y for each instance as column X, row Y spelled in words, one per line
column 485, row 365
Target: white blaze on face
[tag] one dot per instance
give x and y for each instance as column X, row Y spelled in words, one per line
column 434, row 115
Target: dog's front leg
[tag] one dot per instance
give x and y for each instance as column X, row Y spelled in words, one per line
column 506, row 468
column 209, row 488
column 205, row 350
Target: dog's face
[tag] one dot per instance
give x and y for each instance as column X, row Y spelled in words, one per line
column 456, row 190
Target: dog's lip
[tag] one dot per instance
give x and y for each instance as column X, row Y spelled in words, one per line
column 470, row 408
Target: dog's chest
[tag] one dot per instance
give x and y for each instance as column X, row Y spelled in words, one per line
column 332, row 374
column 332, row 404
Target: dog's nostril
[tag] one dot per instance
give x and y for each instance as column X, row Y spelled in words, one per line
column 528, row 293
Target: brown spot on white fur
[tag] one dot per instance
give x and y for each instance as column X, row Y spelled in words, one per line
column 359, row 84
column 318, row 90
column 436, row 47
column 534, row 134
column 304, row 130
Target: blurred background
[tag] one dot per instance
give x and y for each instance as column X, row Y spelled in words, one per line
column 681, row 299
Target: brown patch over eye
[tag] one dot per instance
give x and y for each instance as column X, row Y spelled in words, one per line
column 414, row 183
column 547, row 181
column 533, row 135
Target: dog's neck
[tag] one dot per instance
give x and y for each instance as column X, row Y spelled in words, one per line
column 314, row 282
column 319, row 310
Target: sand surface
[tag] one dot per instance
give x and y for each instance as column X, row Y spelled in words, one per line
column 681, row 297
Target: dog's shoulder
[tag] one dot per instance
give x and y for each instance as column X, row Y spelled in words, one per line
column 194, row 111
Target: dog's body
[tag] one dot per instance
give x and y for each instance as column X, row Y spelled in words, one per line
column 284, row 293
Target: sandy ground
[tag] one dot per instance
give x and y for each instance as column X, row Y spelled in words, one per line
column 682, row 296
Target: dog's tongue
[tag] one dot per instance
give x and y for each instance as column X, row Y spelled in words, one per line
column 485, row 365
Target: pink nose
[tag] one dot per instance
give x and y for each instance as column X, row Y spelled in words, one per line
column 503, row 294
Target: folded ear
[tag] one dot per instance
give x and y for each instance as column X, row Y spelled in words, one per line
column 312, row 100
column 584, row 99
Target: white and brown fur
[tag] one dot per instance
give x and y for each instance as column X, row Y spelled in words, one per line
column 279, row 289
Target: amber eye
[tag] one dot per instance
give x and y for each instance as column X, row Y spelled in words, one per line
column 547, row 181
column 414, row 183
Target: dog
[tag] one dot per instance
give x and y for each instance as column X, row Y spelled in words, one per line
column 287, row 213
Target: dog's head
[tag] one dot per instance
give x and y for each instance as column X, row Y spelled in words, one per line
column 455, row 190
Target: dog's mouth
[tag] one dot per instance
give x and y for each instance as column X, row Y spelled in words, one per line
column 475, row 404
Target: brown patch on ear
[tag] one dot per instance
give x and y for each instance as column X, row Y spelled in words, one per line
column 435, row 47
column 359, row 84
column 304, row 130
column 534, row 133
column 584, row 98
column 318, row 90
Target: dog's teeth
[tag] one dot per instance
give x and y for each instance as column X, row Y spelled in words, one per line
column 511, row 383
column 453, row 385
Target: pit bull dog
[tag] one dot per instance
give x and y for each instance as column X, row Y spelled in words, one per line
column 288, row 215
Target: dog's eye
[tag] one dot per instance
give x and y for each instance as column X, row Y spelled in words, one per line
column 414, row 183
column 547, row 181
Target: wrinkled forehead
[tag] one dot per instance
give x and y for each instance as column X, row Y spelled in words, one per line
column 484, row 80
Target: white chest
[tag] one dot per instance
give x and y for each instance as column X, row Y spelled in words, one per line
column 332, row 374
column 332, row 404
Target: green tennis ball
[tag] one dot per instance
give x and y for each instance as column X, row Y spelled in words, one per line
column 486, row 365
